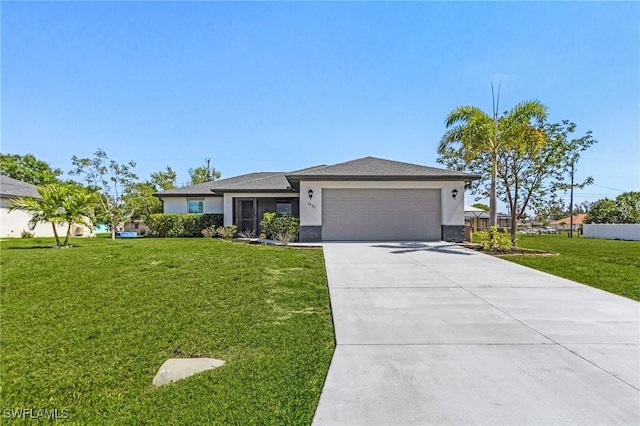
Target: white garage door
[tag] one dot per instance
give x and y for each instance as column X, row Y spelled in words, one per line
column 381, row 214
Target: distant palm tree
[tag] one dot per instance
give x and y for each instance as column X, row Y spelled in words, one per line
column 78, row 208
column 59, row 203
column 475, row 134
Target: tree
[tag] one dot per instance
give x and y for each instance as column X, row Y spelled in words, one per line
column 28, row 168
column 164, row 179
column 481, row 206
column 624, row 209
column 139, row 196
column 558, row 209
column 58, row 203
column 532, row 167
column 204, row 173
column 604, row 211
column 45, row 209
column 140, row 200
column 529, row 163
column 473, row 137
column 111, row 180
column 78, row 207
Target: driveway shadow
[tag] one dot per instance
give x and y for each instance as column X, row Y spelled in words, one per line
column 409, row 247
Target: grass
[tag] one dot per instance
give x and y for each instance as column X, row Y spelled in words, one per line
column 85, row 329
column 610, row 265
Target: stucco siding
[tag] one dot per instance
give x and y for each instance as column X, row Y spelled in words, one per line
column 13, row 223
column 179, row 205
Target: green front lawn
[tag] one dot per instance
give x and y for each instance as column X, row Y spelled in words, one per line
column 610, row 265
column 85, row 329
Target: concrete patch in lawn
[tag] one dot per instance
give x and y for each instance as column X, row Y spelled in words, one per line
column 175, row 369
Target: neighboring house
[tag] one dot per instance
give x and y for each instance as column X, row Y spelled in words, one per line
column 478, row 219
column 12, row 224
column 136, row 225
column 364, row 199
column 564, row 223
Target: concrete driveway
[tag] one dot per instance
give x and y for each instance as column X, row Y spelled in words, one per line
column 431, row 333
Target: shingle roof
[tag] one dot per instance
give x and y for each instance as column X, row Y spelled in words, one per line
column 258, row 182
column 10, row 187
column 369, row 168
column 378, row 168
column 578, row 219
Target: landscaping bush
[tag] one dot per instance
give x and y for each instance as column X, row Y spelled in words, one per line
column 209, row 232
column 494, row 240
column 181, row 225
column 283, row 226
column 226, row 232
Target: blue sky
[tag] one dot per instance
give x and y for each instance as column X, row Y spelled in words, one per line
column 282, row 86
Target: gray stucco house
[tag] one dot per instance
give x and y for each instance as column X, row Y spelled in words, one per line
column 368, row 199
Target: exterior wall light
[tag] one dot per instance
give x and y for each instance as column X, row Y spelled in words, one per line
column 310, row 193
column 454, row 193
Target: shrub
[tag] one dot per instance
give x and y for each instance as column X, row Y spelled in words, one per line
column 209, row 232
column 274, row 225
column 265, row 223
column 495, row 240
column 284, row 237
column 27, row 234
column 181, row 225
column 226, row 232
column 248, row 233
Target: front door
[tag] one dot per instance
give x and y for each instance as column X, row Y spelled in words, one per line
column 246, row 214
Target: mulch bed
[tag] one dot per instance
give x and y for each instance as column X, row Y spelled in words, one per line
column 516, row 252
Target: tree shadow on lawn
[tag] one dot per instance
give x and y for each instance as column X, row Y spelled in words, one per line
column 40, row 247
column 409, row 247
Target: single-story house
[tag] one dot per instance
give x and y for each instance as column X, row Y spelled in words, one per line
column 12, row 224
column 368, row 199
column 478, row 219
column 564, row 224
column 136, row 225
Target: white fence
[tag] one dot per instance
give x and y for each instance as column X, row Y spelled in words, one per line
column 612, row 231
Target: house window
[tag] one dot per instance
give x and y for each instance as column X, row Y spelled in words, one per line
column 195, row 206
column 284, row 207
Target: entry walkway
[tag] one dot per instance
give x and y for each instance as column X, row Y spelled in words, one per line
column 432, row 333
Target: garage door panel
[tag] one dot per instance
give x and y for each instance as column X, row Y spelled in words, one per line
column 381, row 214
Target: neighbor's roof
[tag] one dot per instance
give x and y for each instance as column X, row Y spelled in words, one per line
column 577, row 219
column 471, row 212
column 372, row 168
column 10, row 187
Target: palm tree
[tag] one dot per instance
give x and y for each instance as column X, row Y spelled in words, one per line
column 475, row 136
column 78, row 208
column 45, row 209
column 58, row 203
